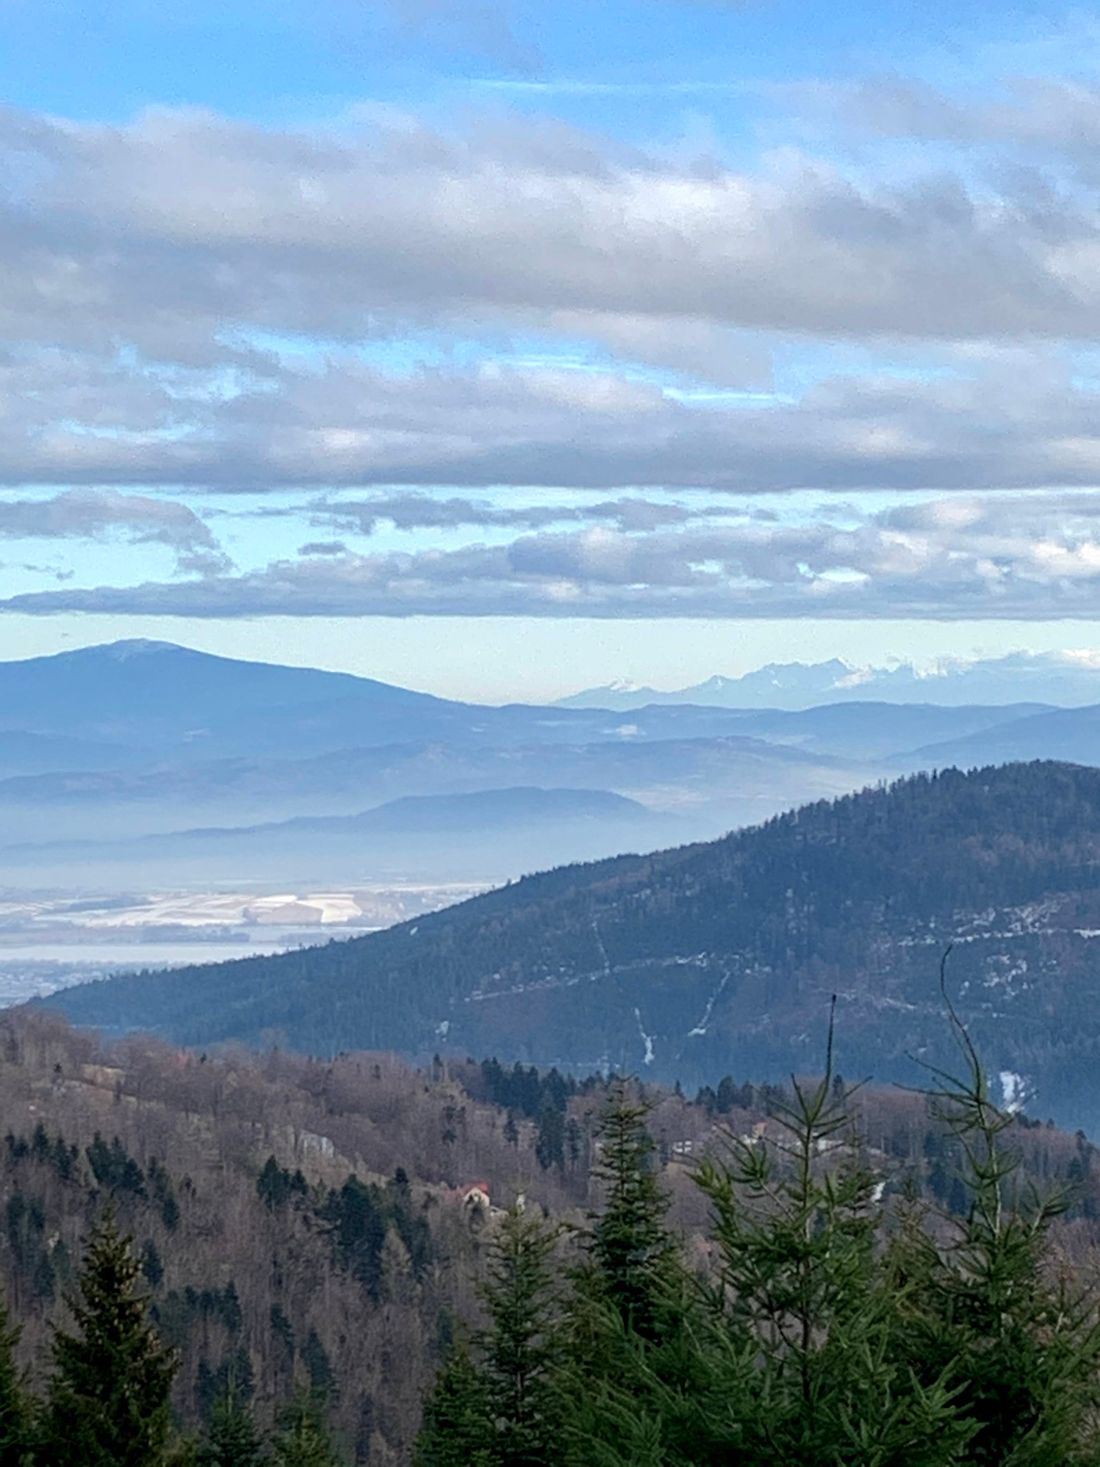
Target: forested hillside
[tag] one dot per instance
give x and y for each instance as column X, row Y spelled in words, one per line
column 694, row 962
column 322, row 1225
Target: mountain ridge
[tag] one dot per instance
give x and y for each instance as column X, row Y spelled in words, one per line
column 721, row 956
column 1059, row 678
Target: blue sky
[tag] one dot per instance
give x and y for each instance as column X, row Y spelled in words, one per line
column 656, row 338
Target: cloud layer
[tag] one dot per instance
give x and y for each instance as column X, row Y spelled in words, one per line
column 454, row 321
column 155, row 274
column 1037, row 558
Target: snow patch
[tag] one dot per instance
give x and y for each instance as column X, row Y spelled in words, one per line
column 1014, row 1091
column 647, row 1039
column 701, row 1028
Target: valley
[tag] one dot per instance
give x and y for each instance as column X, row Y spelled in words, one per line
column 49, row 940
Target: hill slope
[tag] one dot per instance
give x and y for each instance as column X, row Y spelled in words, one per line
column 721, row 957
column 493, row 832
column 1064, row 733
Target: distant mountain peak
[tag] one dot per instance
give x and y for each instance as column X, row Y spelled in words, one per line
column 129, row 647
column 1069, row 679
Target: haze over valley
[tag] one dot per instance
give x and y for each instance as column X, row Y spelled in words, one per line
column 214, row 809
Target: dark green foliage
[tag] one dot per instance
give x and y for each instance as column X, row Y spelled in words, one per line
column 410, row 1224
column 231, row 1380
column 302, row 1439
column 151, row 1265
column 518, row 1346
column 282, row 1329
column 160, row 1184
column 276, row 1186
column 231, row 1438
column 829, row 1325
column 44, row 1149
column 36, row 1256
column 107, row 1400
column 114, row 1168
column 318, row 1366
column 179, row 1309
column 524, row 1091
column 15, row 1405
column 458, row 1429
column 357, row 1217
column 505, row 1409
column 633, row 1256
column 550, row 1142
column 1020, row 1346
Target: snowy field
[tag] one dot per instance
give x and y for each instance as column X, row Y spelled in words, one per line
column 51, row 940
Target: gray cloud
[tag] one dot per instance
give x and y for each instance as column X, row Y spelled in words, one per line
column 168, row 284
column 189, row 242
column 1056, row 118
column 414, row 511
column 152, row 271
column 98, row 514
column 323, row 230
column 1000, row 419
column 969, row 557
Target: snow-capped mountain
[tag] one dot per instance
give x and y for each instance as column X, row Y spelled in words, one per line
column 1069, row 679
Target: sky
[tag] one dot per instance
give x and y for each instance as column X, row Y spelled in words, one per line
column 500, row 348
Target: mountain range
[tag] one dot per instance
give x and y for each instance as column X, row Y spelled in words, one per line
column 721, row 957
column 258, row 772
column 1048, row 677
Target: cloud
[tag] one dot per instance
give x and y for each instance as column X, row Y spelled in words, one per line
column 187, row 299
column 1055, row 118
column 423, row 329
column 988, row 557
column 99, row 514
column 330, row 230
column 417, row 511
column 1017, row 419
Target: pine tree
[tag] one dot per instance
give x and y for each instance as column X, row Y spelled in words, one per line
column 633, row 1253
column 550, row 1139
column 458, row 1425
column 107, row 1398
column 15, row 1407
column 232, row 1439
column 518, row 1346
column 1020, row 1347
column 303, row 1439
column 787, row 1353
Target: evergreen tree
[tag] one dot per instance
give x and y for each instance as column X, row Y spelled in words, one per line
column 550, row 1140
column 303, row 1439
column 1021, row 1348
column 803, row 1311
column 633, row 1253
column 231, row 1439
column 458, row 1429
column 107, row 1398
column 15, row 1406
column 518, row 1347
column 787, row 1352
